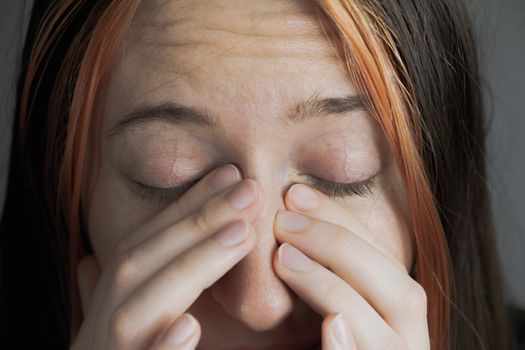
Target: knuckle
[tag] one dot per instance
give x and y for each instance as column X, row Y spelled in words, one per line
column 342, row 241
column 332, row 290
column 122, row 247
column 186, row 263
column 414, row 301
column 121, row 326
column 201, row 218
column 332, row 293
column 124, row 270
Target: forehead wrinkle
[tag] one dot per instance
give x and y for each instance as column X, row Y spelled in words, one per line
column 167, row 13
column 256, row 24
column 274, row 33
column 206, row 52
column 200, row 65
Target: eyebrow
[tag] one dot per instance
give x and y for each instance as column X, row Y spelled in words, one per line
column 314, row 108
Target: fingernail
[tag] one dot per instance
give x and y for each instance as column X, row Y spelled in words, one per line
column 242, row 196
column 294, row 259
column 232, row 234
column 291, row 221
column 225, row 177
column 303, row 197
column 340, row 329
column 180, row 331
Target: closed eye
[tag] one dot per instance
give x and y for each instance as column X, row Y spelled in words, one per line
column 158, row 196
column 340, row 190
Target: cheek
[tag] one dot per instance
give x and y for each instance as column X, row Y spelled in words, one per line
column 386, row 215
column 391, row 228
column 112, row 215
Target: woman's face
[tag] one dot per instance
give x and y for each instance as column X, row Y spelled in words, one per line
column 250, row 64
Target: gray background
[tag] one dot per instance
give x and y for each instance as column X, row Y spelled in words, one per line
column 501, row 28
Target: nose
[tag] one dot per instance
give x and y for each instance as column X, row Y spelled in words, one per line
column 251, row 291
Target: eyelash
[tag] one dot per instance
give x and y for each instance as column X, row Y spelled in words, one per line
column 158, row 196
column 339, row 190
column 363, row 188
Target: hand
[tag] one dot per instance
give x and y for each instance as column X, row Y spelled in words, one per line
column 159, row 270
column 334, row 270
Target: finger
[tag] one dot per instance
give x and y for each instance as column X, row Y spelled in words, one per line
column 365, row 268
column 217, row 181
column 88, row 273
column 309, row 201
column 172, row 289
column 336, row 333
column 182, row 334
column 141, row 261
column 327, row 293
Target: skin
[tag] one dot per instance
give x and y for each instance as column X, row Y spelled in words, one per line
column 154, row 262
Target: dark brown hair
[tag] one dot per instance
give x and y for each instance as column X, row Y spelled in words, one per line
column 415, row 62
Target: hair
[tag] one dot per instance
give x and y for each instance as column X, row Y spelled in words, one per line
column 414, row 61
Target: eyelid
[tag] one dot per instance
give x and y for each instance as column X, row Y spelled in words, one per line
column 362, row 188
column 158, row 195
column 315, row 179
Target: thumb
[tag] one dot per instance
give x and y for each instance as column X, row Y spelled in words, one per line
column 88, row 272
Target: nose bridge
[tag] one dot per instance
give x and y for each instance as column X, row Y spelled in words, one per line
column 251, row 291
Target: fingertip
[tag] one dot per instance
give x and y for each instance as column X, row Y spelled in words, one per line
column 337, row 333
column 258, row 203
column 236, row 169
column 223, row 177
column 182, row 330
column 288, row 203
column 257, row 187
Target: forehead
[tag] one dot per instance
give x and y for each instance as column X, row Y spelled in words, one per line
column 242, row 58
column 248, row 27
